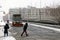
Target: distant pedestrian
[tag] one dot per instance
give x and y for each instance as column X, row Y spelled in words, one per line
column 6, row 27
column 25, row 29
column 8, row 22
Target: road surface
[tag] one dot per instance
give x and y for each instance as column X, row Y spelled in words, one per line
column 35, row 33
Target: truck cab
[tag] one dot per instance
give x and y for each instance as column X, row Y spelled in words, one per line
column 17, row 20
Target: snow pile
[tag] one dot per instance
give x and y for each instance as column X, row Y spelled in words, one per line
column 2, row 23
column 1, row 31
column 9, row 38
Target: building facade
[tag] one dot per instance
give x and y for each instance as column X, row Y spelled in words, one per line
column 31, row 13
column 13, row 11
column 34, row 14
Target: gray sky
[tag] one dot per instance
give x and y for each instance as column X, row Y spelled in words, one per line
column 6, row 4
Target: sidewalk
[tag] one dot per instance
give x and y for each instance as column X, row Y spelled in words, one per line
column 5, row 38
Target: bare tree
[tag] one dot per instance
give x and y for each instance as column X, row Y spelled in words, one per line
column 55, row 12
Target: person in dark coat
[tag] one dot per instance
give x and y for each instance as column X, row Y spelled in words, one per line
column 6, row 27
column 24, row 29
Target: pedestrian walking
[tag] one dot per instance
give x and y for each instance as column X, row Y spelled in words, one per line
column 25, row 29
column 6, row 27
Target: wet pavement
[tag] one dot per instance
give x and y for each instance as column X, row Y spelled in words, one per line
column 35, row 33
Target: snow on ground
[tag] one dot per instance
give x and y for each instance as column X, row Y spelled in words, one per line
column 12, row 38
column 2, row 23
column 1, row 31
column 7, row 37
column 56, row 29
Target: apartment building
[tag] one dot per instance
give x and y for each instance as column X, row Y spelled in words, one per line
column 33, row 14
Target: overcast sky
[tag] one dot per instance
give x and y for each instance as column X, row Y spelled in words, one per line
column 6, row 4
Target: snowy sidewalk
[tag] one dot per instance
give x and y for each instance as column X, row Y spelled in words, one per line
column 5, row 38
